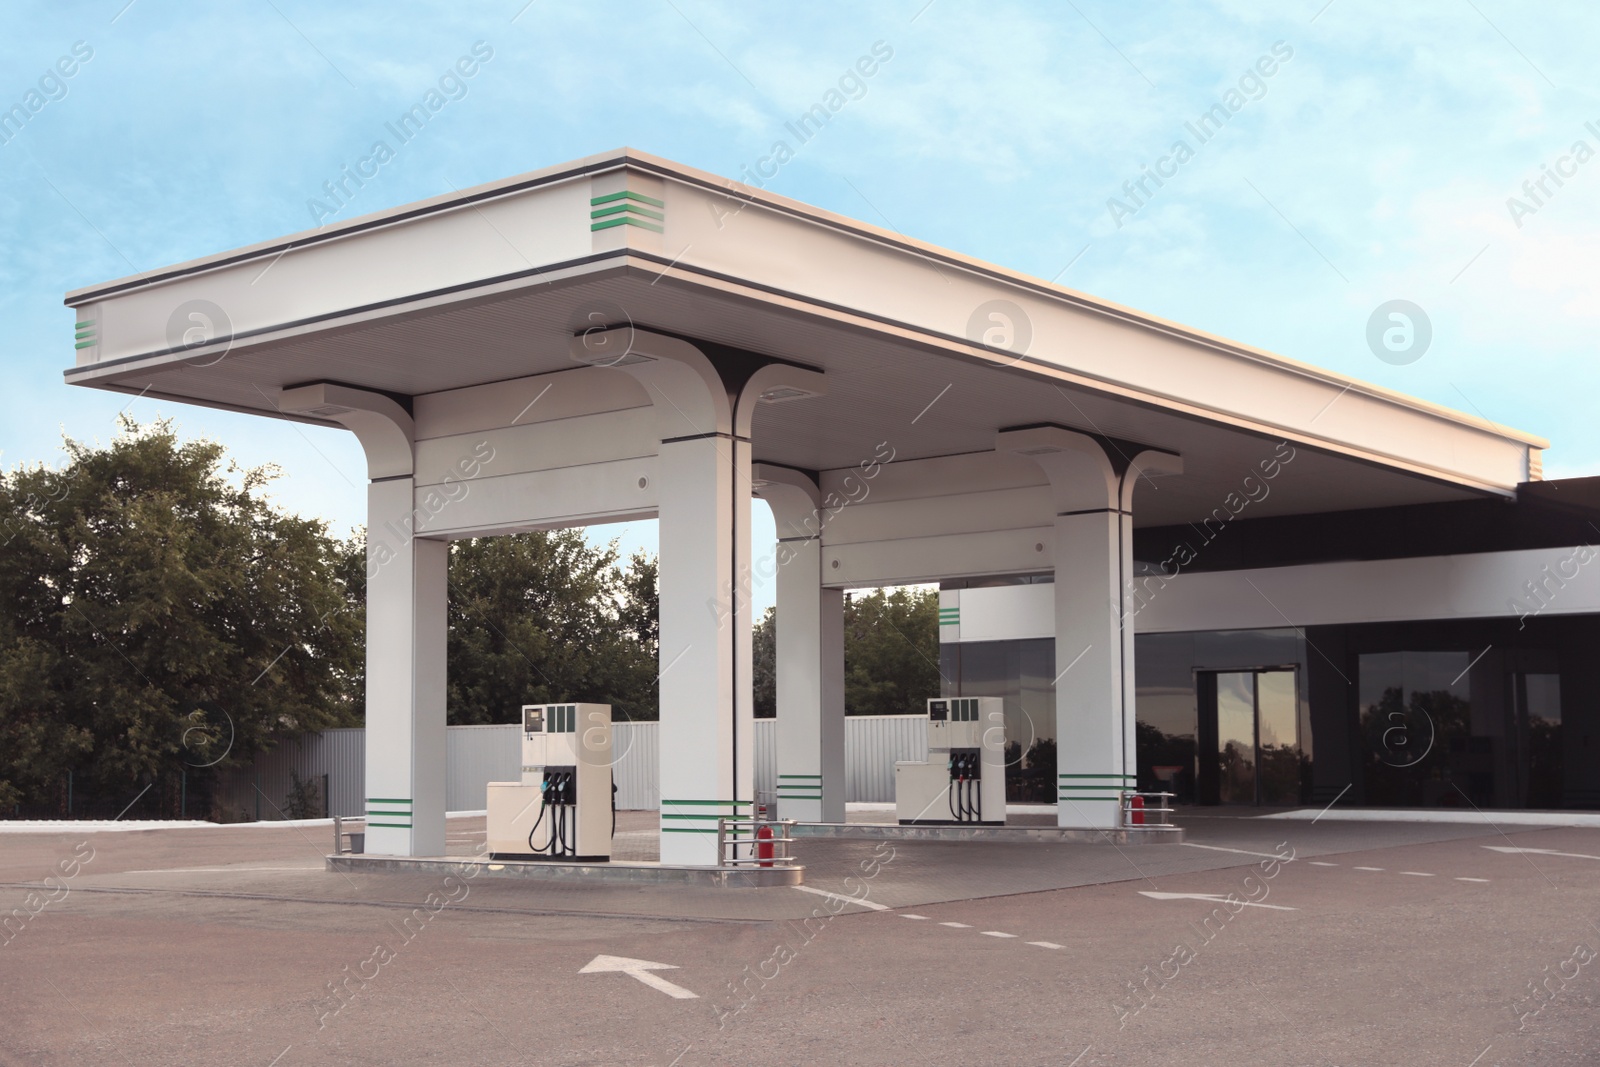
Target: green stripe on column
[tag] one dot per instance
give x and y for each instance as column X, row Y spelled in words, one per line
column 699, row 803
column 700, row 818
column 393, row 813
column 704, row 811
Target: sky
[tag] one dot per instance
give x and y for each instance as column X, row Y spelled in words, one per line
column 1427, row 152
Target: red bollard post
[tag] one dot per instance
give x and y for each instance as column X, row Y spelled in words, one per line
column 764, row 844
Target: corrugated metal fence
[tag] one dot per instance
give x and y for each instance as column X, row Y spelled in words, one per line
column 872, row 744
column 335, row 761
column 477, row 755
column 636, row 770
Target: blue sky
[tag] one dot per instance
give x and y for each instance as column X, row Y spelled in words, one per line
column 1374, row 163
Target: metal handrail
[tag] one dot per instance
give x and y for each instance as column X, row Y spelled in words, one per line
column 340, row 833
column 734, row 835
column 1155, row 814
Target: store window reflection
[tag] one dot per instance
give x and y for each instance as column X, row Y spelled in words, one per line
column 1416, row 721
column 1536, row 705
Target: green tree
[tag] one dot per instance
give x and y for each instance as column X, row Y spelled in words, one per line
column 160, row 616
column 542, row 617
column 640, row 610
column 891, row 653
column 764, row 665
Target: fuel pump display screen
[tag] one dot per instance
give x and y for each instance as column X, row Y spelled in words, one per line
column 938, row 710
column 533, row 721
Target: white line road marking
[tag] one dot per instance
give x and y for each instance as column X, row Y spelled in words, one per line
column 996, row 933
column 1417, row 874
column 1368, row 868
column 1472, row 879
column 1319, row 863
column 908, row 915
column 1541, row 852
column 957, row 926
column 640, row 969
column 1242, row 852
column 1215, row 898
column 1044, row 944
column 872, row 904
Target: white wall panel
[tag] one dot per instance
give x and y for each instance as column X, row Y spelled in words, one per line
column 1008, row 612
column 929, row 559
column 569, row 496
column 1481, row 585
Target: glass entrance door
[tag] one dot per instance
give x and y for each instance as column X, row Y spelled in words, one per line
column 1236, row 738
column 1249, row 737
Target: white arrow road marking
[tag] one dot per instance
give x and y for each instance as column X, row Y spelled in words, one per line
column 1541, row 852
column 1213, row 897
column 640, row 969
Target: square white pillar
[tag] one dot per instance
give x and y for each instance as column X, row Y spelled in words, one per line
column 1092, row 480
column 407, row 625
column 810, row 684
column 1093, row 734
column 707, row 753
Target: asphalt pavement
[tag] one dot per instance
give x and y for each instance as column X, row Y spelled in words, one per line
column 1256, row 942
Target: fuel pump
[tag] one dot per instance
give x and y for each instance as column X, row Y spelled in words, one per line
column 562, row 808
column 964, row 779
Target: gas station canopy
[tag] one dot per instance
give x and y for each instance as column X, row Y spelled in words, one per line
column 490, row 284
